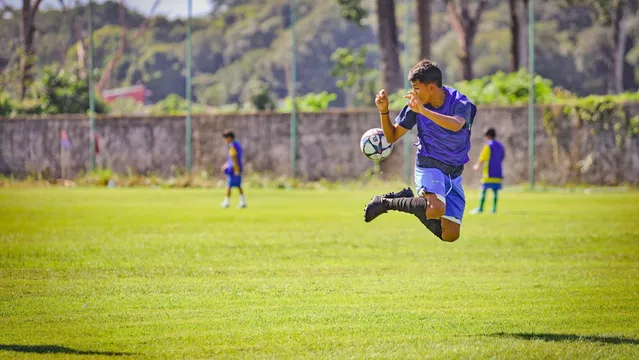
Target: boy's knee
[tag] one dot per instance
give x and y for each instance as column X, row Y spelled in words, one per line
column 450, row 231
column 449, row 236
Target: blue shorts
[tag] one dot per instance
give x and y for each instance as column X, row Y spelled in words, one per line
column 449, row 191
column 234, row 180
column 494, row 186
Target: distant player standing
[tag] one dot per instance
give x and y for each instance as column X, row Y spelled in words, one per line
column 233, row 169
column 443, row 117
column 492, row 157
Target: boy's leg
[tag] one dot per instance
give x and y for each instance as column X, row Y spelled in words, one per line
column 482, row 199
column 227, row 199
column 431, row 185
column 495, row 196
column 242, row 198
column 455, row 205
column 236, row 181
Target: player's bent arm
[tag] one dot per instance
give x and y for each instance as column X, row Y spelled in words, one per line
column 392, row 132
column 453, row 123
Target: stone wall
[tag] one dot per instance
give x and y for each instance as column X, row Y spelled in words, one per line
column 328, row 145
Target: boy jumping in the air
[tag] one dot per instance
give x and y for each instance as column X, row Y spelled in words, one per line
column 492, row 156
column 233, row 169
column 443, row 117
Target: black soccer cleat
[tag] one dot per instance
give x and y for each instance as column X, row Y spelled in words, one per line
column 404, row 193
column 378, row 205
column 375, row 208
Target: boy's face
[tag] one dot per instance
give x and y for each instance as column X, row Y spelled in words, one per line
column 228, row 139
column 424, row 91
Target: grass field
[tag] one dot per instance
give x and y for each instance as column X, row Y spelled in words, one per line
column 151, row 273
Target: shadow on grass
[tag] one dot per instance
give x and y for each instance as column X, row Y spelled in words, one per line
column 55, row 349
column 570, row 338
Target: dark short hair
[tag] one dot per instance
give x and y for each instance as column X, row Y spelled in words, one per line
column 228, row 134
column 426, row 72
column 491, row 133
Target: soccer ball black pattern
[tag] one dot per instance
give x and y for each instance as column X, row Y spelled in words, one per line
column 375, row 146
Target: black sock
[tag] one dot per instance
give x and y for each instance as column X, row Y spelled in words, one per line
column 435, row 226
column 416, row 206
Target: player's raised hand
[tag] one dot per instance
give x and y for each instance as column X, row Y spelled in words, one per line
column 381, row 101
column 413, row 101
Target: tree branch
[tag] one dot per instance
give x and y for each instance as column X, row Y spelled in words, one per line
column 455, row 19
column 34, row 8
column 105, row 79
column 473, row 22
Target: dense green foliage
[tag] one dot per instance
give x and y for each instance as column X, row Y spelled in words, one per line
column 310, row 102
column 249, row 44
column 155, row 273
column 354, row 76
column 62, row 93
column 507, row 89
column 6, row 105
column 55, row 92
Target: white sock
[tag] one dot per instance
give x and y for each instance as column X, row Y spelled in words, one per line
column 242, row 200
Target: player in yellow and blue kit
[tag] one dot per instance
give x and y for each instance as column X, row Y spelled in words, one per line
column 492, row 157
column 233, row 169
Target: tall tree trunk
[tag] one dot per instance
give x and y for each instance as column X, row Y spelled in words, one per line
column 389, row 45
column 628, row 44
column 28, row 29
column 523, row 34
column 465, row 57
column 75, row 39
column 617, row 59
column 514, row 35
column 424, row 14
column 465, row 25
column 107, row 74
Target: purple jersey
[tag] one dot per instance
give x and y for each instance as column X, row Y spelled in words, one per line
column 496, row 155
column 234, row 149
column 435, row 142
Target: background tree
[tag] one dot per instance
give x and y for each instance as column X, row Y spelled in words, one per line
column 465, row 24
column 245, row 42
column 63, row 93
column 610, row 14
column 352, row 10
column 28, row 31
column 354, row 77
column 514, row 35
column 388, row 45
column 107, row 75
column 424, row 14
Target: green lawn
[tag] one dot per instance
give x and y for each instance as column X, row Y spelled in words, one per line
column 153, row 273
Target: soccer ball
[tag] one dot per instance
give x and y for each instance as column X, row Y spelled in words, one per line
column 375, row 146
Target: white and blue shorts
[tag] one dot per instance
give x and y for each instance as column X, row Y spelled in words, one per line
column 448, row 190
